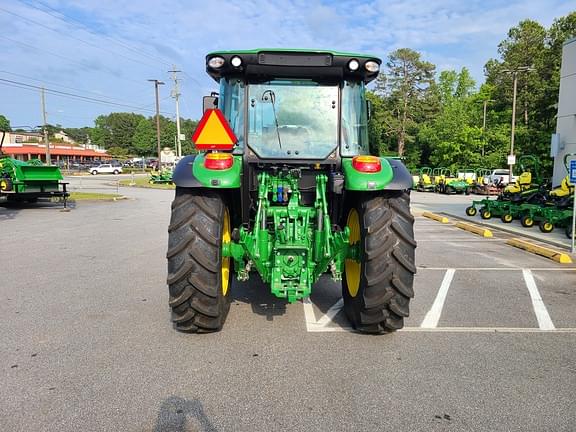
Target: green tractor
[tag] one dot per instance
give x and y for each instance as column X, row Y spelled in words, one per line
column 27, row 181
column 296, row 195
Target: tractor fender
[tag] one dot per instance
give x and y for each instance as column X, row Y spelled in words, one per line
column 183, row 175
column 393, row 176
column 402, row 178
column 190, row 172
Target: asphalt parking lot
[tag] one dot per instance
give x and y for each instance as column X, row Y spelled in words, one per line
column 87, row 343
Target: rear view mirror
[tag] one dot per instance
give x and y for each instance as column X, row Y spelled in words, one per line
column 209, row 102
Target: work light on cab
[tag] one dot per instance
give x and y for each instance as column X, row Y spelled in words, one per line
column 353, row 65
column 218, row 161
column 216, row 62
column 372, row 66
column 367, row 164
column 236, row 61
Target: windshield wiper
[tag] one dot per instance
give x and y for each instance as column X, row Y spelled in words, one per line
column 273, row 100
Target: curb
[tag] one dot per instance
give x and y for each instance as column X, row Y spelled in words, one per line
column 484, row 232
column 123, row 197
column 513, row 232
column 441, row 219
column 552, row 254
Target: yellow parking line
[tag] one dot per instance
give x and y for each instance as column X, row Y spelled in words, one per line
column 552, row 254
column 436, row 217
column 474, row 229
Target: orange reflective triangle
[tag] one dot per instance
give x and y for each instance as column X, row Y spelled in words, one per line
column 213, row 132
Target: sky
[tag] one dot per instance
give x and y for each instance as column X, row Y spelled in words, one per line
column 106, row 50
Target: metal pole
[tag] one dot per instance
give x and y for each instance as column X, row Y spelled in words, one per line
column 156, row 84
column 515, row 75
column 46, row 142
column 573, row 221
column 484, row 127
column 176, row 95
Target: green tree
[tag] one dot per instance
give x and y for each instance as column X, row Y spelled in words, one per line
column 115, row 130
column 4, row 124
column 404, row 83
column 144, row 138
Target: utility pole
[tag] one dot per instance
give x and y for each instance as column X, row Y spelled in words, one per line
column 514, row 73
column 156, row 84
column 176, row 95
column 46, row 142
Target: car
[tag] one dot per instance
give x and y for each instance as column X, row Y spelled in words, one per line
column 105, row 169
column 499, row 176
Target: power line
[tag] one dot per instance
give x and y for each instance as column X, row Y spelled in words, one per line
column 109, row 71
column 63, row 17
column 71, row 95
column 78, row 39
column 63, row 86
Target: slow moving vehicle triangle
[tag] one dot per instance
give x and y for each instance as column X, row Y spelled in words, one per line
column 213, row 132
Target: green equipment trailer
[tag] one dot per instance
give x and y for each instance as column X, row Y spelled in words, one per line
column 27, row 181
column 296, row 195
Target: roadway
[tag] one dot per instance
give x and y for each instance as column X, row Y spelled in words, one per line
column 87, row 343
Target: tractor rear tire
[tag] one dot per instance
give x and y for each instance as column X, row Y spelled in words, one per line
column 378, row 288
column 199, row 278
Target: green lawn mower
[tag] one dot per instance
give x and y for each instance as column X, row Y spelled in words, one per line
column 425, row 181
column 164, row 176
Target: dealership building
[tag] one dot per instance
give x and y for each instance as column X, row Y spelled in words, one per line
column 564, row 141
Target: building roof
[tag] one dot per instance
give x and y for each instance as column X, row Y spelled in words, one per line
column 54, row 151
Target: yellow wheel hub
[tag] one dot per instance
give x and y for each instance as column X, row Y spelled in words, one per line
column 353, row 267
column 226, row 237
column 3, row 185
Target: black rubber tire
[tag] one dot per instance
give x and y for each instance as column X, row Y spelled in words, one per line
column 387, row 265
column 6, row 184
column 471, row 211
column 506, row 218
column 116, row 172
column 545, row 226
column 93, row 172
column 527, row 221
column 485, row 213
column 195, row 261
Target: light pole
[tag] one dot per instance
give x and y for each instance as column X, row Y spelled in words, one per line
column 514, row 73
column 156, row 84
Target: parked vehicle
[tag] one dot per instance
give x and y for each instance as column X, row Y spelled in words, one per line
column 106, row 169
column 300, row 198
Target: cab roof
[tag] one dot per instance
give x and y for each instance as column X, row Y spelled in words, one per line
column 264, row 64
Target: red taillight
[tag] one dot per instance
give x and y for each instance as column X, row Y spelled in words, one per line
column 218, row 161
column 369, row 164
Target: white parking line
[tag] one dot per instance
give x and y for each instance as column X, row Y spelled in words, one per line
column 558, row 269
column 321, row 325
column 544, row 320
column 433, row 316
column 331, row 313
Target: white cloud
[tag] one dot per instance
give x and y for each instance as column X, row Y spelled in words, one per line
column 451, row 33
